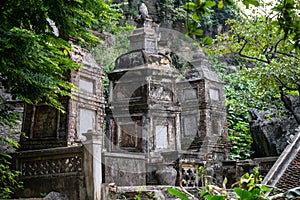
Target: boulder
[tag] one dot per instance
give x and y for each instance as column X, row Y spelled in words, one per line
column 271, row 134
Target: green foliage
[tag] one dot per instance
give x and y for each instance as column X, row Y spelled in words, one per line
column 288, row 20
column 171, row 10
column 199, row 9
column 107, row 52
column 35, row 56
column 8, row 120
column 238, row 92
column 262, row 39
column 206, row 15
column 284, row 16
column 34, row 59
column 177, row 193
column 249, row 188
column 276, row 72
column 8, row 182
column 217, row 18
column 34, row 71
column 43, row 194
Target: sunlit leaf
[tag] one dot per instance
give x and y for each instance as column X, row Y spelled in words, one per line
column 177, row 193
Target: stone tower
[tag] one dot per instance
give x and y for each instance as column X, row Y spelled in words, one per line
column 156, row 119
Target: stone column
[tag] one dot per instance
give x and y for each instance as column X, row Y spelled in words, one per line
column 93, row 165
column 178, row 131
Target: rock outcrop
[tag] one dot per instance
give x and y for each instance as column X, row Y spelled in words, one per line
column 270, row 134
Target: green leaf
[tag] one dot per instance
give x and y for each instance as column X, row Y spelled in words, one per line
column 243, row 194
column 265, row 188
column 225, row 182
column 248, row 2
column 207, row 41
column 216, row 197
column 254, row 2
column 177, row 193
column 196, row 16
column 190, row 6
column 210, row 3
column 198, row 32
column 220, row 4
column 228, row 2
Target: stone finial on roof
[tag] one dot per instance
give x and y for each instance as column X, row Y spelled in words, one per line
column 144, row 36
column 143, row 19
column 143, row 11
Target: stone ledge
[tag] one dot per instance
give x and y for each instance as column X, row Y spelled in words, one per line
column 124, row 155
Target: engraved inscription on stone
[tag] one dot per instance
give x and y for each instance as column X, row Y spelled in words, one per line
column 130, row 60
column 87, row 122
column 161, row 135
column 214, row 94
column 86, row 85
column 190, row 125
column 190, row 94
column 159, row 92
column 45, row 122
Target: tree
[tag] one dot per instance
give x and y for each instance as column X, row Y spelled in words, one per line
column 284, row 15
column 275, row 54
column 34, row 58
column 269, row 39
column 35, row 54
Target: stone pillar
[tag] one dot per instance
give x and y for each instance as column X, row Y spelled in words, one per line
column 93, row 165
column 178, row 132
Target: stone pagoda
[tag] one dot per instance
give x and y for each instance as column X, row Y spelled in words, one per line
column 157, row 120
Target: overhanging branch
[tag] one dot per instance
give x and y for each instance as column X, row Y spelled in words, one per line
column 250, row 57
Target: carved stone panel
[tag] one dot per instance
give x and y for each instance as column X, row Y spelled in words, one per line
column 130, row 60
column 161, row 135
column 190, row 125
column 45, row 122
column 214, row 94
column 190, row 94
column 128, row 135
column 217, row 123
column 70, row 164
column 86, row 85
column 161, row 92
column 87, row 121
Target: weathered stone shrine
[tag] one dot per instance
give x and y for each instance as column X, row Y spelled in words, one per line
column 46, row 127
column 161, row 125
column 62, row 151
column 158, row 120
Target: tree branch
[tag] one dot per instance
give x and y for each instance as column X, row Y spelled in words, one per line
column 286, row 54
column 250, row 57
